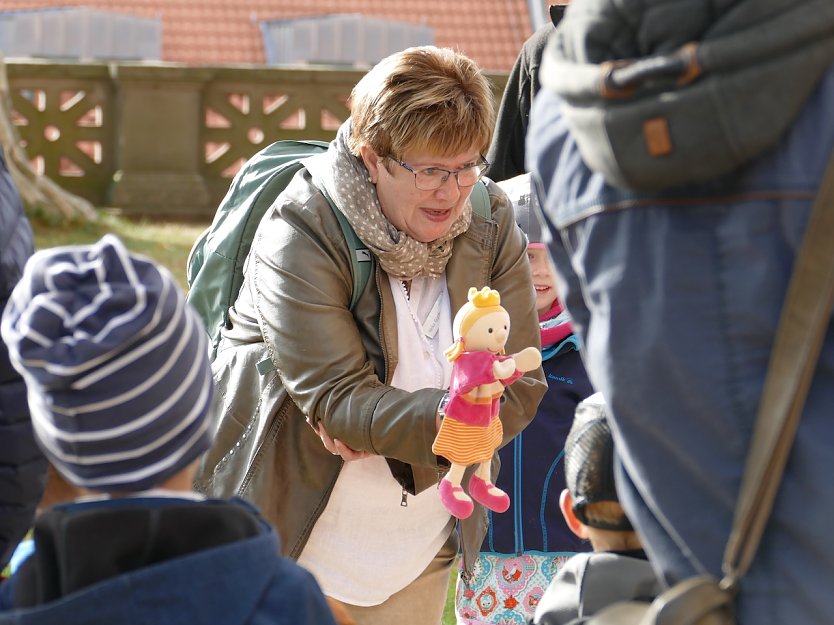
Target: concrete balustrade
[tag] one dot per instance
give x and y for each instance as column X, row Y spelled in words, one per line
column 164, row 140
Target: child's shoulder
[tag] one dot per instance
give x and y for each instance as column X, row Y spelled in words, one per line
column 610, row 576
column 589, row 582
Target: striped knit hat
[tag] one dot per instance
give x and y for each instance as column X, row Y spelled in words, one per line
column 116, row 366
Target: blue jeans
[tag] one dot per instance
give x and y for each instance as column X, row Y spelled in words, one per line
column 677, row 297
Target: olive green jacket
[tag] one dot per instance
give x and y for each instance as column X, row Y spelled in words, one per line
column 296, row 348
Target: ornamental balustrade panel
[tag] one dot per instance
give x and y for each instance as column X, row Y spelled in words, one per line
column 65, row 123
column 243, row 117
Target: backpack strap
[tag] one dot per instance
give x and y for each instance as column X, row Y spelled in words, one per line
column 803, row 325
column 361, row 259
column 480, row 200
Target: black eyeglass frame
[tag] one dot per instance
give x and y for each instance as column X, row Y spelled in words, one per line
column 484, row 164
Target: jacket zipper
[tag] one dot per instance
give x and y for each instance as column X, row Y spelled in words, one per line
column 404, row 497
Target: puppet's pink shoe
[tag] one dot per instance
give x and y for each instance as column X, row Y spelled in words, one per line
column 488, row 494
column 455, row 500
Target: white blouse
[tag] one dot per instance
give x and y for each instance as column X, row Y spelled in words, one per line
column 366, row 546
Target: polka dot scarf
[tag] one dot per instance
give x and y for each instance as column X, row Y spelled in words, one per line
column 349, row 185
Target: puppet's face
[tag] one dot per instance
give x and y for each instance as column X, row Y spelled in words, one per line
column 489, row 333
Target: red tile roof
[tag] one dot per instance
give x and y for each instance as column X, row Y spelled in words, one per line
column 227, row 31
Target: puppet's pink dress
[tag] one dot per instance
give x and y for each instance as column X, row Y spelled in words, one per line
column 471, row 430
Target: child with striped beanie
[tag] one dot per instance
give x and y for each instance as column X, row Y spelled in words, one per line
column 114, row 362
column 120, row 392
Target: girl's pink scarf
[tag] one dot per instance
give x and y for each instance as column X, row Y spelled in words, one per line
column 553, row 333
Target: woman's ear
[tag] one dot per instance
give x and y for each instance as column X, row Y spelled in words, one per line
column 566, row 506
column 372, row 162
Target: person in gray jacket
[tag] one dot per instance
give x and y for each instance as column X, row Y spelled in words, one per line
column 22, row 465
column 120, row 395
column 328, row 412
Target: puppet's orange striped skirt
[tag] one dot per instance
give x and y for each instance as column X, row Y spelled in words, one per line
column 461, row 443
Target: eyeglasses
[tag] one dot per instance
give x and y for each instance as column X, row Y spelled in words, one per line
column 433, row 178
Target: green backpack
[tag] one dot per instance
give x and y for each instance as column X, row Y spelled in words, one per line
column 215, row 263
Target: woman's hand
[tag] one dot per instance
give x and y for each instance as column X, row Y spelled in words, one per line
column 338, row 448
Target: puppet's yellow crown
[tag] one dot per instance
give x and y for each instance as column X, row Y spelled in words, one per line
column 484, row 298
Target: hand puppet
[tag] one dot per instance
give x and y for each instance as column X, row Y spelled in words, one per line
column 471, row 430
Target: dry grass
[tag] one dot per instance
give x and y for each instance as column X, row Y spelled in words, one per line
column 167, row 243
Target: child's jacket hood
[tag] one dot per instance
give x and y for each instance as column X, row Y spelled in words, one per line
column 206, row 564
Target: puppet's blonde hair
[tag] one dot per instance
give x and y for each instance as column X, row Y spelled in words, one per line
column 480, row 304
